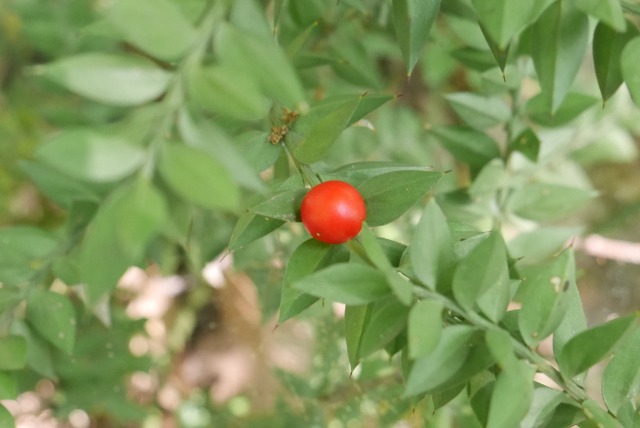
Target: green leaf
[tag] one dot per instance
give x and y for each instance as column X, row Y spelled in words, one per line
column 387, row 319
column 265, row 62
column 424, row 327
column 401, row 288
column 198, row 177
column 591, row 346
column 478, row 111
column 8, row 388
column 607, row 53
column 503, row 19
column 431, row 250
column 482, row 278
column 251, row 227
column 571, row 107
column 13, row 352
column 53, row 316
column 352, row 284
column 88, row 155
column 443, row 362
column 60, row 188
column 597, row 414
column 356, row 318
column 284, row 205
column 317, row 142
column 120, row 80
column 412, row 20
column 158, row 27
column 500, row 54
column 546, row 202
column 543, row 294
column 310, row 256
column 38, row 350
column 206, row 136
column 607, row 11
column 631, row 68
column 491, row 178
column 541, row 243
column 512, row 395
column 6, row 419
column 228, row 92
column 390, row 195
column 257, row 151
column 574, row 320
column 560, row 39
column 23, row 251
column 358, row 172
column 621, row 378
column 549, row 408
column 527, row 143
column 467, row 145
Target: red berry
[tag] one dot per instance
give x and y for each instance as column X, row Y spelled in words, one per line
column 333, row 212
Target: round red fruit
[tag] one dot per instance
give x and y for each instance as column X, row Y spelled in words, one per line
column 333, row 212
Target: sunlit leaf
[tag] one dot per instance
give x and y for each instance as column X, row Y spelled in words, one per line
column 412, row 20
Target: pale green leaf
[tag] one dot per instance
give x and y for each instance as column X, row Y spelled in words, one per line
column 412, row 20
column 503, row 19
column 607, row 11
column 13, row 352
column 631, row 68
column 424, row 327
column 621, row 378
column 478, row 111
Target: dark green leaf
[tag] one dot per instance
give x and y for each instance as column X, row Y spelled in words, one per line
column 478, row 111
column 607, row 11
column 158, row 27
column 23, row 251
column 110, row 79
column 198, row 177
column 512, row 395
column 352, row 284
column 13, row 353
column 621, row 378
column 265, row 61
column 631, row 68
column 545, row 202
column 388, row 318
column 390, row 195
column 559, row 43
column 283, row 205
column 431, row 249
column 571, row 107
column 88, row 155
column 607, row 52
column 228, row 92
column 38, row 350
column 356, row 318
column 543, row 294
column 308, row 257
column 482, row 278
column 443, row 362
column 424, row 327
column 317, row 142
column 592, row 345
column 527, row 143
column 53, row 316
column 412, row 20
column 467, row 145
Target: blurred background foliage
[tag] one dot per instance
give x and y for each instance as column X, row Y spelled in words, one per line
column 213, row 356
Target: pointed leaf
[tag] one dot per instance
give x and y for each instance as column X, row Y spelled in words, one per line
column 621, row 378
column 424, row 327
column 23, row 251
column 607, row 53
column 503, row 18
column 53, row 316
column 571, row 107
column 631, row 68
column 467, row 145
column 356, row 318
column 284, row 205
column 308, row 257
column 431, row 249
column 250, row 227
column 388, row 318
column 527, row 143
column 412, row 20
column 158, row 27
column 592, row 345
column 597, row 414
column 118, row 80
column 390, row 195
column 325, row 132
column 561, row 35
column 198, row 177
column 606, row 11
column 6, row 418
column 352, row 284
column 88, row 155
